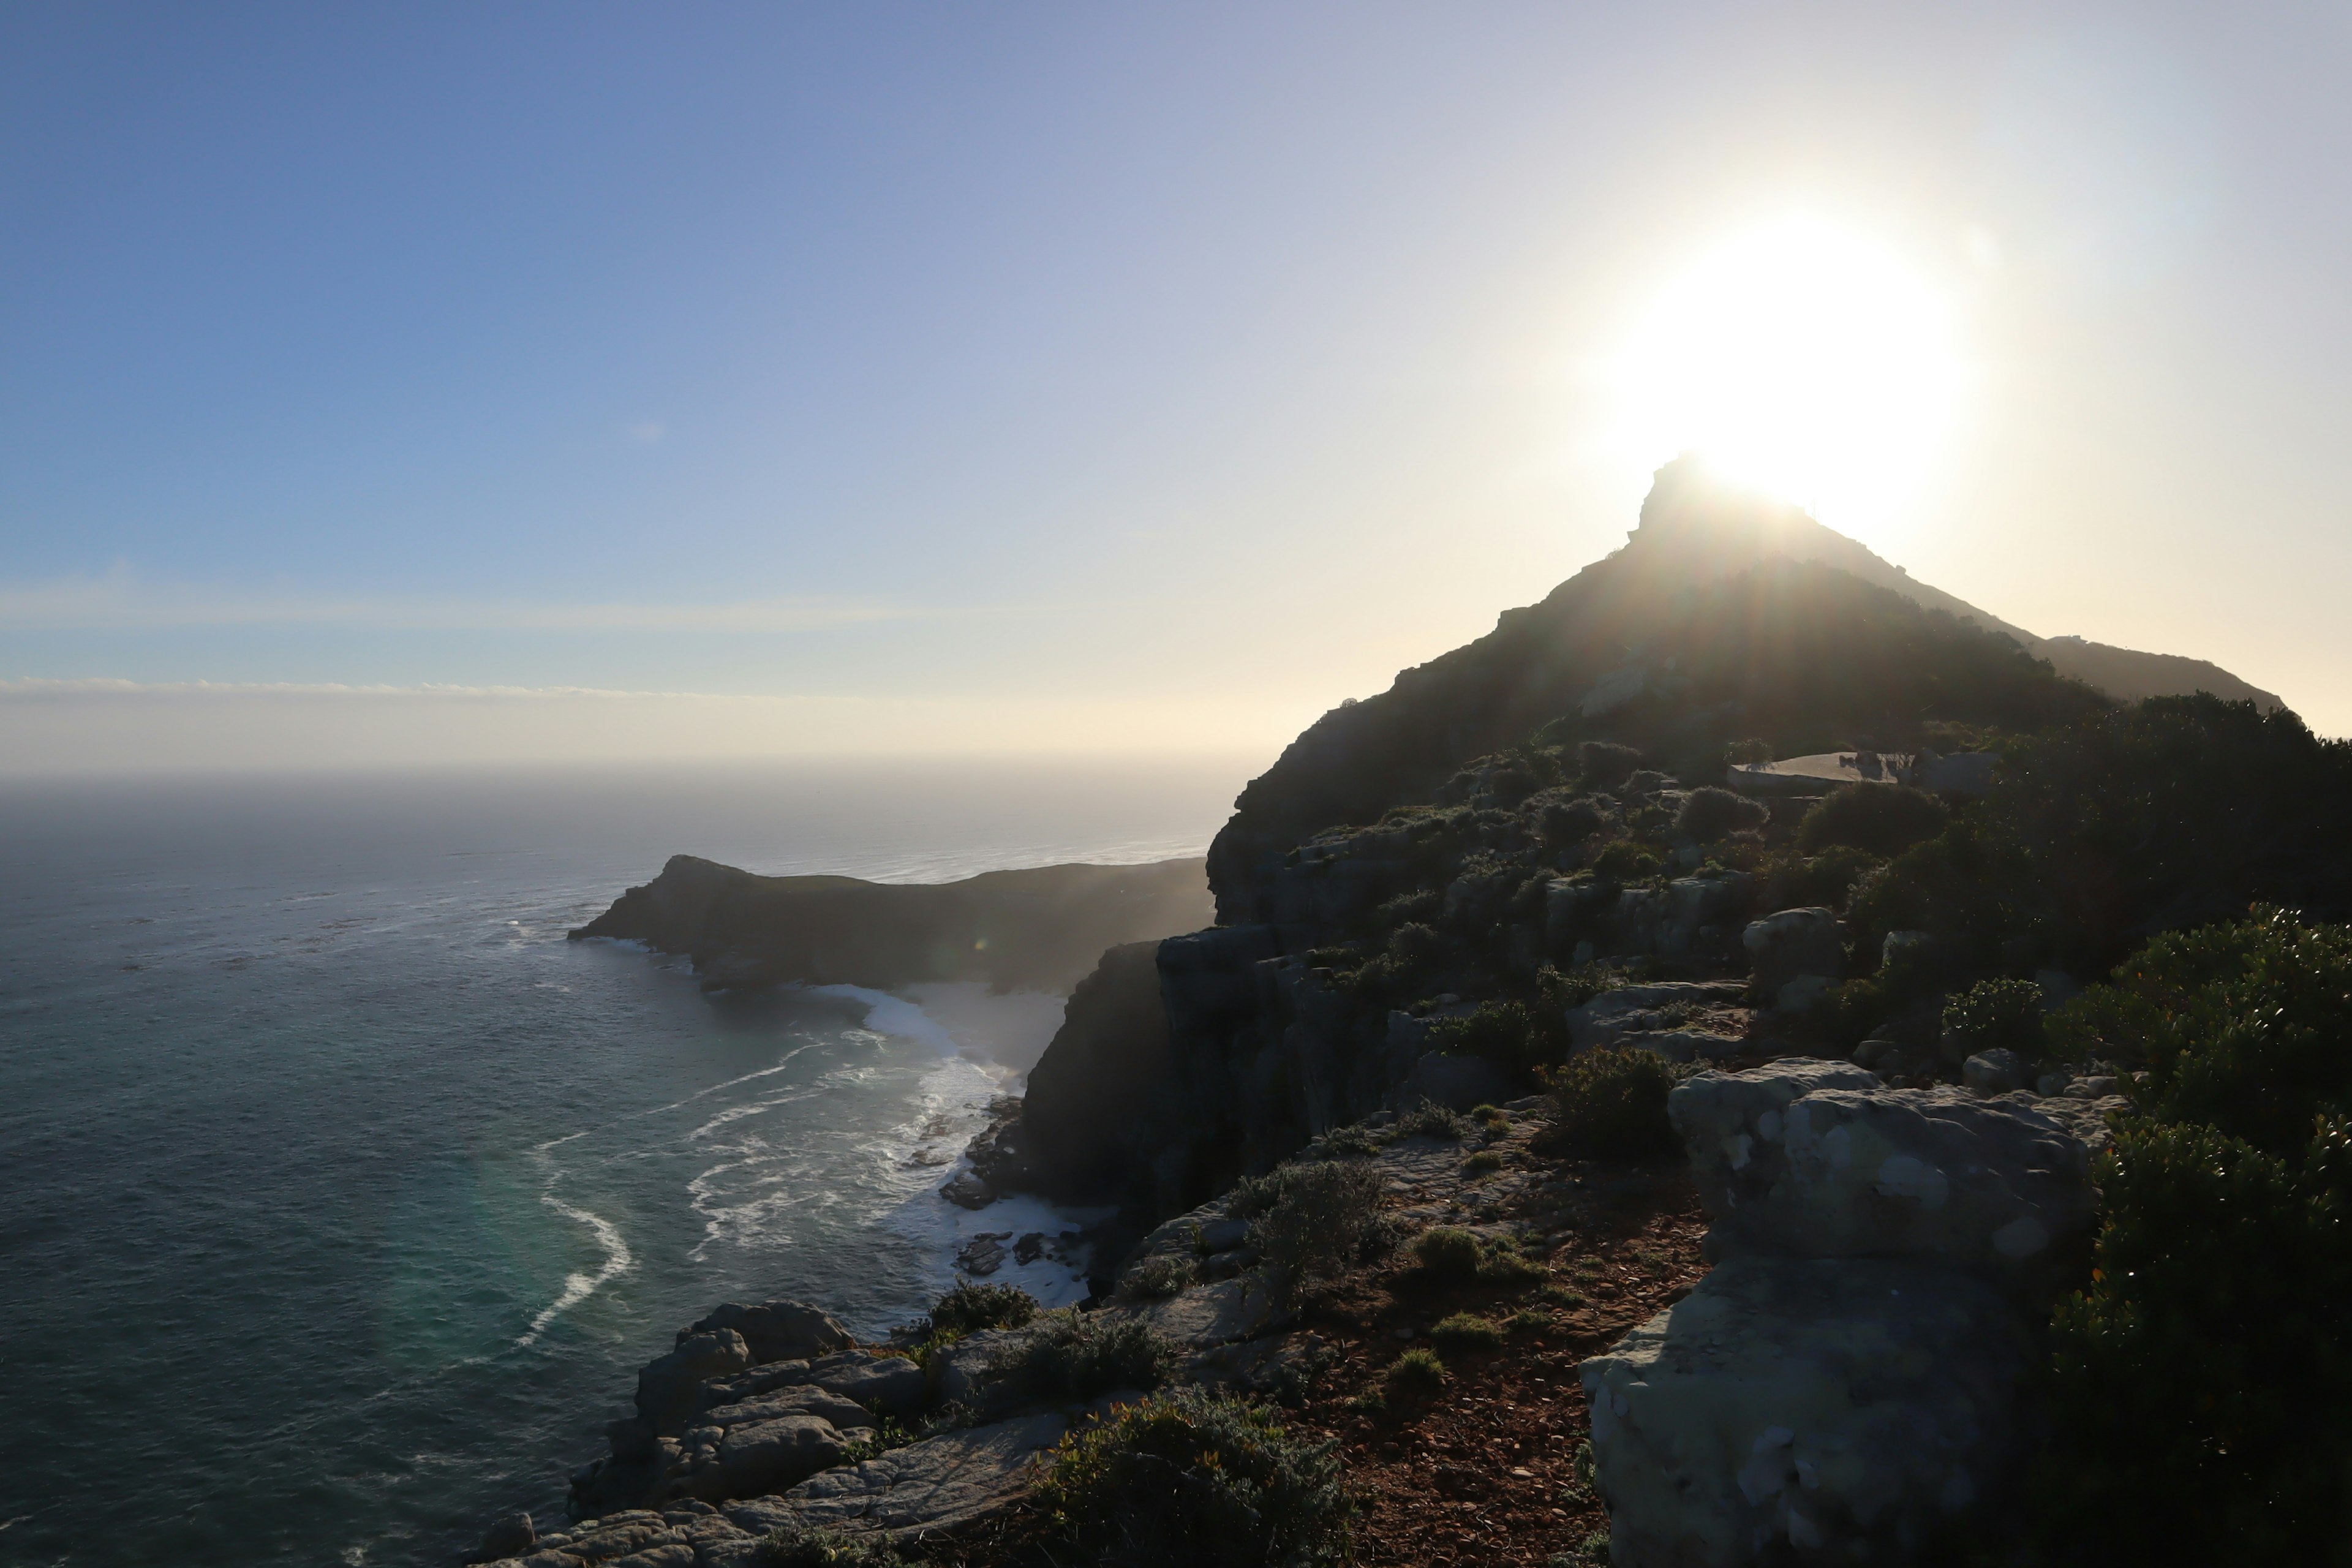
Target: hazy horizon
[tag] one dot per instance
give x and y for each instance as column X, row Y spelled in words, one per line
column 578, row 385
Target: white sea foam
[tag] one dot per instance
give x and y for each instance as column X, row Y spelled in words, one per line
column 578, row 1287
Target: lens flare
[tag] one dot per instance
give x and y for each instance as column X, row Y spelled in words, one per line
column 1802, row 358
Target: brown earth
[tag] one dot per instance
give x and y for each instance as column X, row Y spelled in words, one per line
column 1484, row 1472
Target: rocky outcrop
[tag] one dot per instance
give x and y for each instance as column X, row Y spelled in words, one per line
column 1850, row 1384
column 1039, row 929
column 1810, row 1410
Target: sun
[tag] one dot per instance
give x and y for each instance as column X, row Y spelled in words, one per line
column 1802, row 358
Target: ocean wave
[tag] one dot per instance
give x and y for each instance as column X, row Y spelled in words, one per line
column 578, row 1287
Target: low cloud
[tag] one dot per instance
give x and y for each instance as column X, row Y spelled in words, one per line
column 52, row 727
column 121, row 600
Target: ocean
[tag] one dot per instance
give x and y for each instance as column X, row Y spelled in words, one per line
column 340, row 1196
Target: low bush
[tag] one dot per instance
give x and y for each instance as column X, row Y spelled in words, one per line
column 1485, row 1162
column 1562, row 823
column 1466, row 1332
column 1193, row 1480
column 2246, row 1026
column 1885, row 820
column 1998, row 1015
column 1505, row 1264
column 1515, row 1037
column 1414, row 944
column 1315, row 1221
column 2202, row 1399
column 1078, row 1356
column 1431, row 1119
column 1823, row 880
column 1610, row 1104
column 1447, row 1253
column 1527, row 1320
column 1709, row 813
column 1353, row 1139
column 1161, row 1276
column 969, row 1308
column 1622, row 860
column 1416, row 1374
column 812, row 1546
column 1604, row 764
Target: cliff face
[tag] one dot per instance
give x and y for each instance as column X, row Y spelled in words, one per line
column 1040, row 929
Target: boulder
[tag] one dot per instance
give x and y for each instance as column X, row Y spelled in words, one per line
column 1803, row 993
column 669, row 1386
column 1209, row 1315
column 780, row 1329
column 1791, row 942
column 1828, row 1410
column 1997, row 1071
column 510, row 1537
column 769, row 1456
column 1995, row 1187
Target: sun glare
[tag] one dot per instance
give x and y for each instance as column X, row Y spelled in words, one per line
column 1801, row 358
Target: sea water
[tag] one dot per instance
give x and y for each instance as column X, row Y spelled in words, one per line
column 340, row 1196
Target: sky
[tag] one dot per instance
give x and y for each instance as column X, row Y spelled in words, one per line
column 545, row 382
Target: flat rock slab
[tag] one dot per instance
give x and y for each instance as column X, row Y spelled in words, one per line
column 1809, row 1410
column 1801, row 1160
column 935, row 1484
column 1209, row 1315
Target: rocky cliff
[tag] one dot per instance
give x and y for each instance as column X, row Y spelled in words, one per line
column 1039, row 929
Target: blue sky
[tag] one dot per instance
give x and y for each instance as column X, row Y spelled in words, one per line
column 1081, row 376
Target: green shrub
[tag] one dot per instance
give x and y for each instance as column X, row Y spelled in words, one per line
column 1515, row 1037
column 1317, row 1220
column 1448, row 1252
column 1747, row 752
column 1558, row 990
column 1604, row 764
column 812, row 1546
column 1466, row 1332
column 1431, row 1119
column 1823, row 880
column 1622, row 860
column 2246, row 1026
column 1193, row 1480
column 1709, row 813
column 1505, row 1264
column 1610, row 1104
column 1353, row 1139
column 1527, row 1320
column 1161, row 1276
column 2203, row 1394
column 1416, row 1374
column 1562, row 823
column 1077, row 1355
column 1885, row 820
column 1999, row 1014
column 1486, row 1161
column 969, row 1308
column 1414, row 944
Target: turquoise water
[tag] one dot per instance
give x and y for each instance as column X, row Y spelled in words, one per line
column 340, row 1196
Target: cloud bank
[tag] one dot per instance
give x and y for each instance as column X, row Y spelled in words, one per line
column 50, row 727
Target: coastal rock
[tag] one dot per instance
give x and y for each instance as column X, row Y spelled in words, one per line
column 1096, row 1093
column 937, row 1484
column 1644, row 1009
column 778, row 1330
column 1683, row 1044
column 1783, row 945
column 769, row 1456
column 668, row 1387
column 1993, row 1072
column 1797, row 1160
column 1828, row 1410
